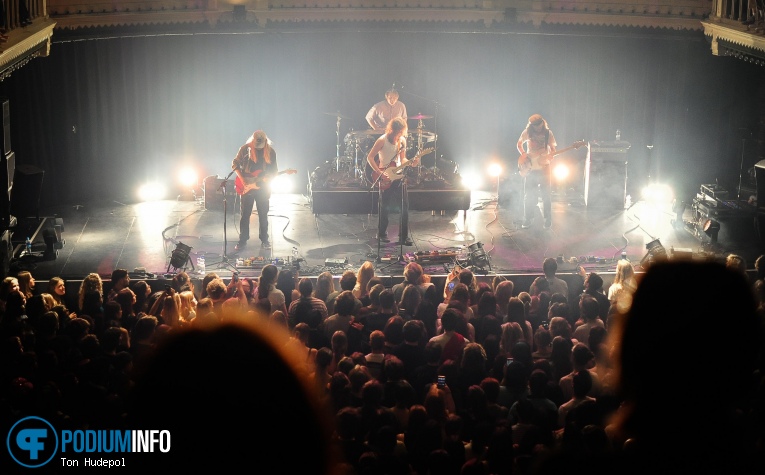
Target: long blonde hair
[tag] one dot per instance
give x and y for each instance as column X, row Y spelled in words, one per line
column 90, row 283
column 253, row 151
column 625, row 273
column 365, row 274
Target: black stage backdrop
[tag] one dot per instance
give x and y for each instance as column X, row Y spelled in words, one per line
column 100, row 116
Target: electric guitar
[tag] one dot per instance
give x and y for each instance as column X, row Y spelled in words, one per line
column 528, row 162
column 392, row 174
column 253, row 181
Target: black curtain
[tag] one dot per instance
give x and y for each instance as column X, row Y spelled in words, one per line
column 100, row 116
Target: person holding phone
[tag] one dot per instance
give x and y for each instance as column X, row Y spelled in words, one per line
column 451, row 280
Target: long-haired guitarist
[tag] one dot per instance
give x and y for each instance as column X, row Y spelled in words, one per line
column 534, row 164
column 254, row 164
column 389, row 150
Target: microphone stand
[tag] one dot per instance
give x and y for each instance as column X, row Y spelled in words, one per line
column 224, row 262
column 401, row 218
column 402, row 237
column 379, row 201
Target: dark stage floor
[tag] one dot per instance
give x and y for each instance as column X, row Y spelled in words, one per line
column 100, row 237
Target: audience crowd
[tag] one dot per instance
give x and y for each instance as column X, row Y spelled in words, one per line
column 658, row 372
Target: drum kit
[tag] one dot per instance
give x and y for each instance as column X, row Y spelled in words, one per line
column 351, row 164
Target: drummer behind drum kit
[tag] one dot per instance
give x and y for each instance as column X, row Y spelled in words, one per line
column 349, row 170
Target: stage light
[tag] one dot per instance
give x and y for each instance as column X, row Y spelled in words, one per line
column 471, row 180
column 152, row 191
column 494, row 170
column 656, row 252
column 657, row 194
column 188, row 178
column 180, row 256
column 712, row 229
column 561, row 172
column 282, row 184
column 477, row 256
column 51, row 241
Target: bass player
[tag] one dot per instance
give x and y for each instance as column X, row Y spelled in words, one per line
column 534, row 164
column 389, row 150
column 254, row 164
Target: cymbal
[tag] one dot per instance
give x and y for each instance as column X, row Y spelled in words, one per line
column 420, row 116
column 336, row 114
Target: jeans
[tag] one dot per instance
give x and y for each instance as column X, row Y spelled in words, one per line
column 537, row 181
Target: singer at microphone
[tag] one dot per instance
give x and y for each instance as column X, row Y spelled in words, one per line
column 388, row 154
column 381, row 113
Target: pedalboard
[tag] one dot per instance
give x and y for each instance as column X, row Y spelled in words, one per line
column 335, row 262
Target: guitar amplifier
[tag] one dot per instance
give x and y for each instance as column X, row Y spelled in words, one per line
column 605, row 179
column 214, row 194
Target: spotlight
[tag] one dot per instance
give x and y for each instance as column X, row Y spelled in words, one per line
column 179, row 256
column 477, row 256
column 495, row 170
column 472, row 180
column 712, row 229
column 51, row 242
column 151, row 192
column 656, row 252
column 561, row 172
column 188, row 180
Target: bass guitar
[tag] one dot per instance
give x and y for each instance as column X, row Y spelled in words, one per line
column 254, row 180
column 528, row 162
column 392, row 174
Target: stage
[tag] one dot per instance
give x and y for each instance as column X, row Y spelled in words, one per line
column 141, row 237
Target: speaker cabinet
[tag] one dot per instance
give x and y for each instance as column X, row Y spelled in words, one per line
column 759, row 176
column 605, row 178
column 213, row 192
column 344, row 202
column 25, row 192
column 5, row 137
column 438, row 200
column 9, row 169
column 6, row 174
column 6, row 253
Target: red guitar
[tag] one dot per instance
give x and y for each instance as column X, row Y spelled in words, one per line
column 253, row 181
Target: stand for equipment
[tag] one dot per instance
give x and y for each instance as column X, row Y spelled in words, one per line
column 401, row 240
column 339, row 117
column 379, row 216
column 224, row 261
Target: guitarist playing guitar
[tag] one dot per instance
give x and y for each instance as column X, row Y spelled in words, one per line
column 254, row 165
column 534, row 166
column 389, row 150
